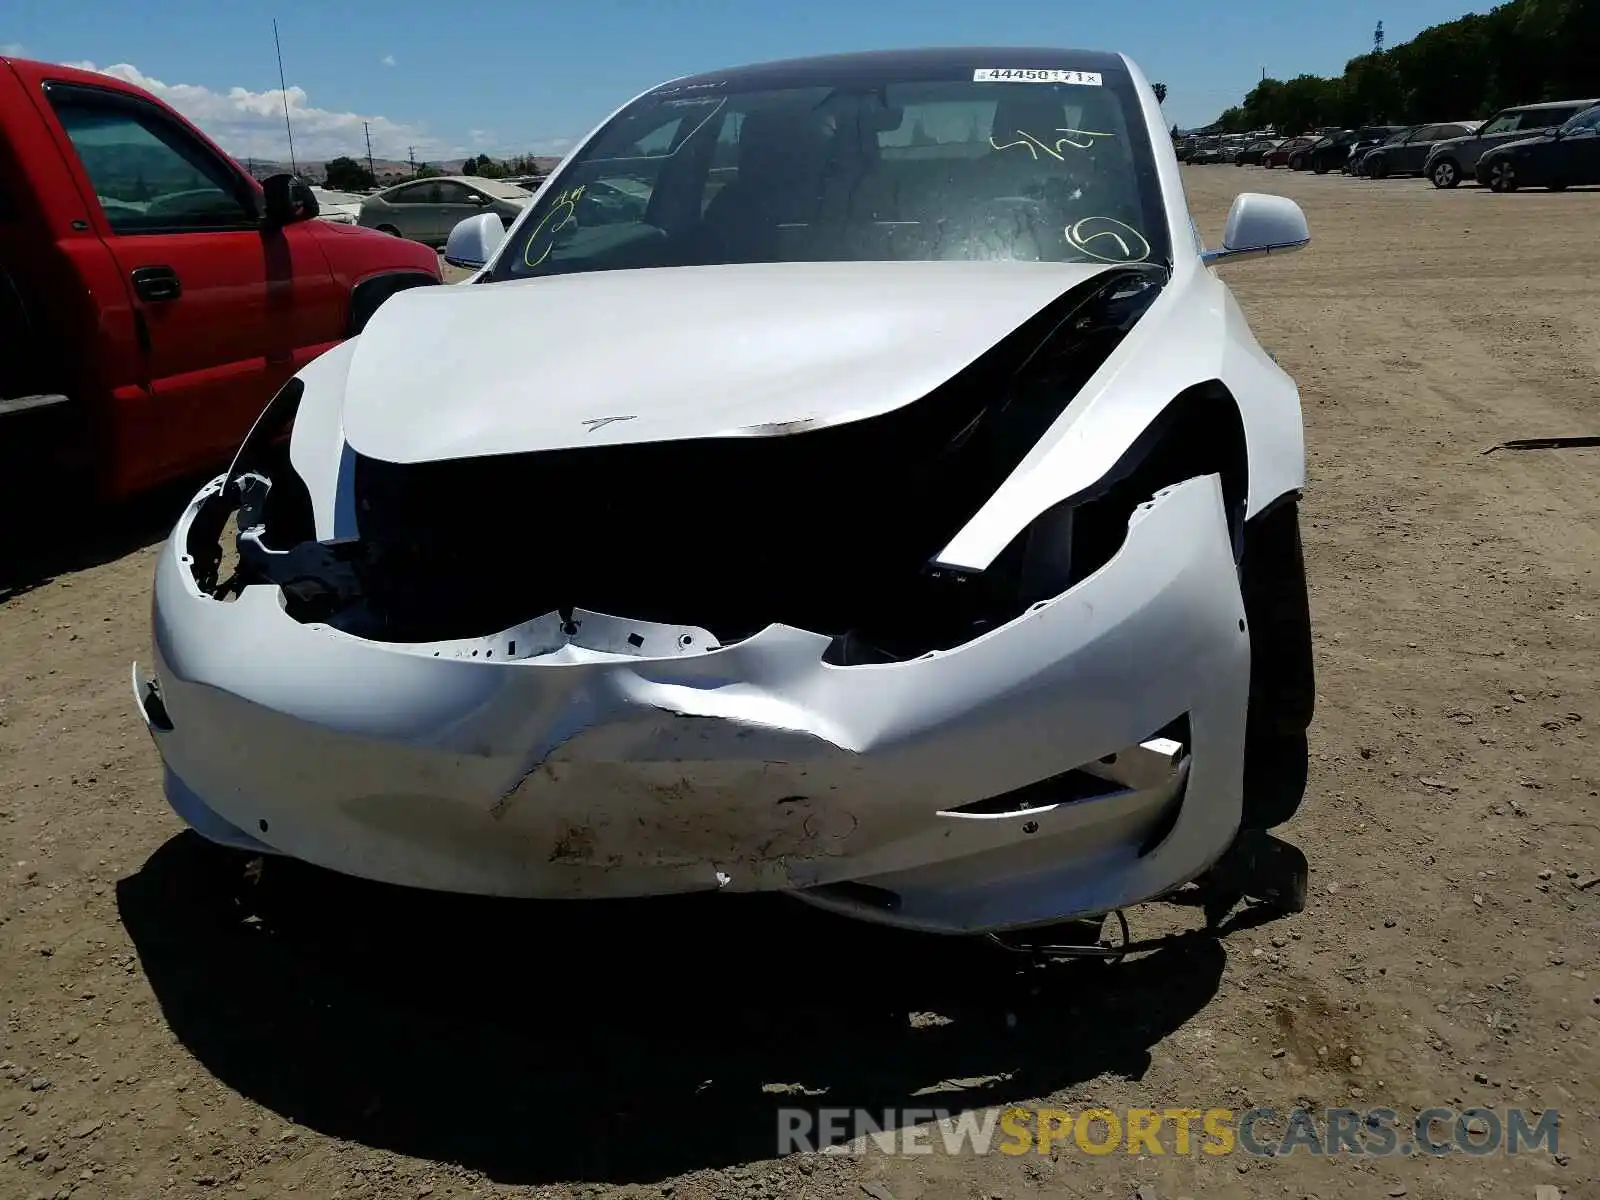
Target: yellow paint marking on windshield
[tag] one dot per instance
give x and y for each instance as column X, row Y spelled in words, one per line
column 1107, row 239
column 1078, row 139
column 564, row 213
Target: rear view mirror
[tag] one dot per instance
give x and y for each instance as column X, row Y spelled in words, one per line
column 1259, row 224
column 472, row 242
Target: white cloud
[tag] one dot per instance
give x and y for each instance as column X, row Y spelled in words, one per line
column 250, row 125
column 12, row 49
column 387, row 60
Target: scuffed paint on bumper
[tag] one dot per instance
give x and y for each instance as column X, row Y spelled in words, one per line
column 585, row 766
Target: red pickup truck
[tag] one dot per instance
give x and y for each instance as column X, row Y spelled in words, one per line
column 153, row 296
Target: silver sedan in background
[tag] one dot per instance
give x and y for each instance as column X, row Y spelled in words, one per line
column 426, row 210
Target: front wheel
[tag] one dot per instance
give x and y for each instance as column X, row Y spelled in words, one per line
column 1445, row 173
column 1376, row 169
column 1320, row 168
column 389, row 229
column 1502, row 176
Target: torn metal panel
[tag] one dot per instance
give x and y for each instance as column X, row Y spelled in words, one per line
column 581, row 764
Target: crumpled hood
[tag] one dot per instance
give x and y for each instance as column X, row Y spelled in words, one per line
column 611, row 357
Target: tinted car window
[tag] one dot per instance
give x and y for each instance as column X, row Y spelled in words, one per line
column 891, row 167
column 1587, row 121
column 149, row 175
column 448, row 192
column 415, row 194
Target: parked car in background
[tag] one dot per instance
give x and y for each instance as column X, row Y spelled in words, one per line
column 1334, row 150
column 1283, row 153
column 1568, row 154
column 153, row 296
column 1253, row 152
column 426, row 210
column 1052, row 652
column 341, row 208
column 1449, row 162
column 1358, row 154
column 1407, row 152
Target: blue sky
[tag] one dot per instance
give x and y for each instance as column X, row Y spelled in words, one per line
column 507, row 77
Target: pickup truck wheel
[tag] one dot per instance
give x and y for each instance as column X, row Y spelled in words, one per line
column 1272, row 579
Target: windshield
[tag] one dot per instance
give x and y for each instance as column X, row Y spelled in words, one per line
column 1504, row 123
column 1585, row 122
column 869, row 167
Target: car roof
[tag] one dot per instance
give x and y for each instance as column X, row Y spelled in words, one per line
column 873, row 64
column 1544, row 104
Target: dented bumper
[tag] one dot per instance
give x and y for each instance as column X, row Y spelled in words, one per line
column 1016, row 779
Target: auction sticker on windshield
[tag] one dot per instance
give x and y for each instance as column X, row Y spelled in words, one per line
column 1030, row 75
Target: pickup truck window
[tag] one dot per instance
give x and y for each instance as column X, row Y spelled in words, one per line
column 149, row 175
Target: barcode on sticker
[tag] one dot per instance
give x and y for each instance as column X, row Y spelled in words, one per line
column 1031, row 75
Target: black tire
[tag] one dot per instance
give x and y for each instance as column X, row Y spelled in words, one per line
column 1445, row 174
column 1376, row 169
column 1297, row 163
column 1272, row 580
column 389, row 229
column 1277, row 606
column 1321, row 168
column 1558, row 185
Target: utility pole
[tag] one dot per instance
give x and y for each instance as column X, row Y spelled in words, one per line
column 411, row 157
column 1377, row 39
column 371, row 170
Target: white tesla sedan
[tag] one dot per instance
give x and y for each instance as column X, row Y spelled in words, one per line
column 848, row 478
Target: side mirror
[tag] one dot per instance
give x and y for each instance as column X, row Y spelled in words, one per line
column 472, row 242
column 288, row 199
column 1259, row 224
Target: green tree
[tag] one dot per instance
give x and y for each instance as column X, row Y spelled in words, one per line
column 1160, row 90
column 1519, row 52
column 347, row 175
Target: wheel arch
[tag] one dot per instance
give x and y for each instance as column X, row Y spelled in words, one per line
column 367, row 296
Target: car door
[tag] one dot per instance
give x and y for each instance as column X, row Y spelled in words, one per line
column 1410, row 155
column 1579, row 150
column 453, row 203
column 411, row 210
column 224, row 312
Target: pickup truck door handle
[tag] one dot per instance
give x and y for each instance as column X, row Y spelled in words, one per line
column 156, row 283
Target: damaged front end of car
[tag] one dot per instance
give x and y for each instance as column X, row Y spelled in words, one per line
column 730, row 662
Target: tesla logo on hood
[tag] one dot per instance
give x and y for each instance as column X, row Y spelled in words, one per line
column 594, row 423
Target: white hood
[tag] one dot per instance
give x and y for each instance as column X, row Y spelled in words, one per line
column 610, row 357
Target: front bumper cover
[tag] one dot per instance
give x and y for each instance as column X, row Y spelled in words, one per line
column 614, row 758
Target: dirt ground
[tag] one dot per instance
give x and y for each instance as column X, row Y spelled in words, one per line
column 327, row 1038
